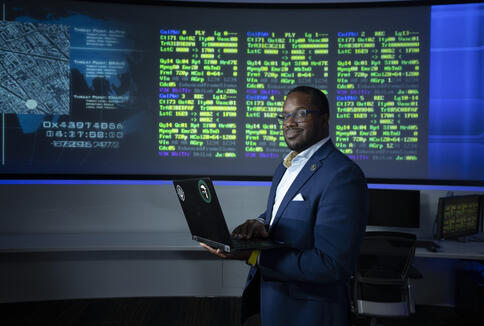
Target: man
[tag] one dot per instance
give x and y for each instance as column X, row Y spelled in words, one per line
column 317, row 206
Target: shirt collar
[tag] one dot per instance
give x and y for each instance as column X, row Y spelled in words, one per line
column 304, row 155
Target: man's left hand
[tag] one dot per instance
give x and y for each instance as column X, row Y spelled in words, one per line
column 237, row 255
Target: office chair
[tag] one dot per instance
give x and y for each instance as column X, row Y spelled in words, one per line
column 381, row 286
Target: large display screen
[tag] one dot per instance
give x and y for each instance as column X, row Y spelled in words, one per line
column 89, row 88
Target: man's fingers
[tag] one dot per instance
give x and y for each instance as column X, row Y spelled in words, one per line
column 244, row 230
column 214, row 251
column 240, row 231
column 236, row 230
column 258, row 230
column 252, row 230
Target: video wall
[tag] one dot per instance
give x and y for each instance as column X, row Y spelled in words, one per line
column 90, row 89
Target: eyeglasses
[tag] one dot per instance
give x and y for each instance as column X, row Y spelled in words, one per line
column 298, row 116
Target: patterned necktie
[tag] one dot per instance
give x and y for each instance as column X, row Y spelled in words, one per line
column 288, row 161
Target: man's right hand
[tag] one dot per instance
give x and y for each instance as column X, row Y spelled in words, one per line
column 250, row 229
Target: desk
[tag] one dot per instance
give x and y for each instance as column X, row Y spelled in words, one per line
column 439, row 270
column 175, row 241
column 87, row 242
column 454, row 250
column 37, row 267
column 97, row 265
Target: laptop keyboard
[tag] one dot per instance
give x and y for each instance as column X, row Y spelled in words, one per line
column 242, row 244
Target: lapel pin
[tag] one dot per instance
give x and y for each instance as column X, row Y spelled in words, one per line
column 313, row 167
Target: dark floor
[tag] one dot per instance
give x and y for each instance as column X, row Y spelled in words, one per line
column 180, row 311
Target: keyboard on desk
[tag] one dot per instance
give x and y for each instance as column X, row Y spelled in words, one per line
column 426, row 244
column 479, row 237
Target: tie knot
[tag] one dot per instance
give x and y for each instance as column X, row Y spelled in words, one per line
column 288, row 160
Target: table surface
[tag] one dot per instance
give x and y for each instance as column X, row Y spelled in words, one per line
column 176, row 241
column 453, row 249
column 112, row 241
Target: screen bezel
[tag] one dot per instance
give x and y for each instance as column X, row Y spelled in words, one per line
column 443, row 201
column 396, row 199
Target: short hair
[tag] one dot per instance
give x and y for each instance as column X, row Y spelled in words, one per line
column 318, row 98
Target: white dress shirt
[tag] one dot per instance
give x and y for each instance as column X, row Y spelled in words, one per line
column 291, row 173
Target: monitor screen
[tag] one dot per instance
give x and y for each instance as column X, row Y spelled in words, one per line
column 394, row 208
column 459, row 216
column 171, row 89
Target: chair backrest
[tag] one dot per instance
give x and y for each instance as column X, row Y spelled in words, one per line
column 381, row 285
column 385, row 257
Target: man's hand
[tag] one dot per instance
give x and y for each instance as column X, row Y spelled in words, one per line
column 238, row 255
column 250, row 229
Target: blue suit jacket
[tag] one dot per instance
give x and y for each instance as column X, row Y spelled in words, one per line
column 307, row 283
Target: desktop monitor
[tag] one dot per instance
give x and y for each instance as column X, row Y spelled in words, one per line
column 459, row 216
column 394, row 208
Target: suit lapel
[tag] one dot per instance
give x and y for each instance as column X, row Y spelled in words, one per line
column 281, row 169
column 311, row 166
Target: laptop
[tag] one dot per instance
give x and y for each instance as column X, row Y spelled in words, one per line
column 205, row 218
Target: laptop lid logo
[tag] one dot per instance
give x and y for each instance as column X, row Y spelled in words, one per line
column 180, row 192
column 204, row 191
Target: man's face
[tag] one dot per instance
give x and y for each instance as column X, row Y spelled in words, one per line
column 300, row 136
